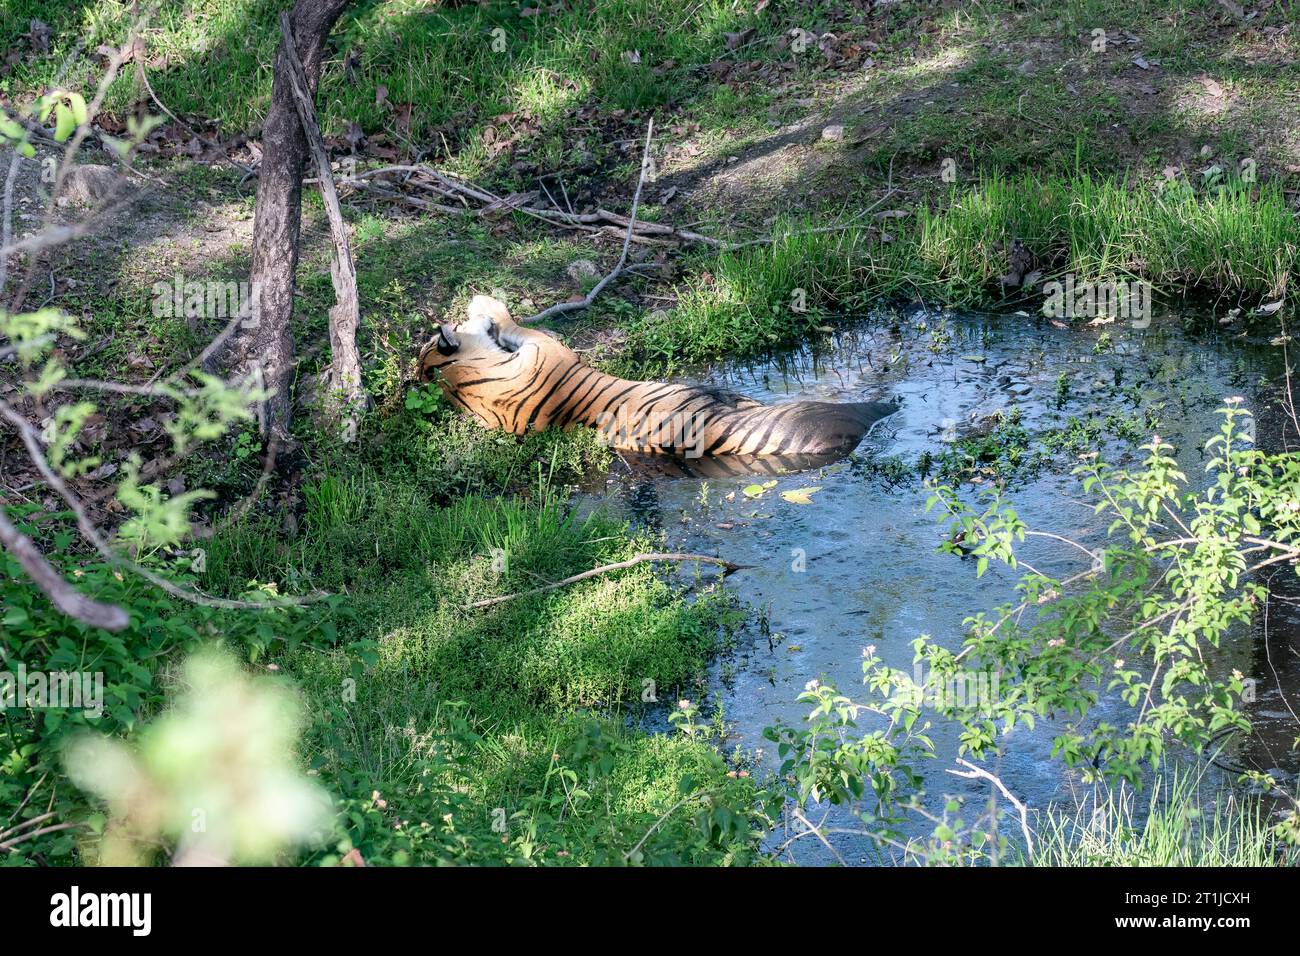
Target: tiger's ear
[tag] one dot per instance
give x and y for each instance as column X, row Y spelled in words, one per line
column 488, row 307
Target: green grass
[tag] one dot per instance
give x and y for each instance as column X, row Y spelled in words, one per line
column 458, row 66
column 447, row 712
column 1238, row 240
column 525, row 707
column 1181, row 826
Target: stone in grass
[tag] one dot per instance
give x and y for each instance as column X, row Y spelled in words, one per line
column 833, row 133
column 582, row 270
column 91, row 184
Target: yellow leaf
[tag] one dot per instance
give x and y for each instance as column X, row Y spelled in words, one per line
column 800, row 496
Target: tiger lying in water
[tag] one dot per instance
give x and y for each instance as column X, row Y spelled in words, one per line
column 517, row 379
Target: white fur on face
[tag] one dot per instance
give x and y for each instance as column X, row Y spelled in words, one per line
column 477, row 324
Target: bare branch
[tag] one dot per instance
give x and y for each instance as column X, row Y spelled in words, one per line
column 972, row 771
column 92, row 535
column 61, row 594
column 590, row 297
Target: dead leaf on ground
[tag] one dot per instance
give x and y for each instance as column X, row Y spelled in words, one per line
column 402, row 117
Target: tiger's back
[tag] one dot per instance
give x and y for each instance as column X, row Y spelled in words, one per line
column 519, row 379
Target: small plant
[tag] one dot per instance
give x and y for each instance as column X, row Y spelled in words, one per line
column 1062, row 393
column 425, row 399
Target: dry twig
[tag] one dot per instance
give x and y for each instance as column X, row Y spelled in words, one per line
column 972, row 771
column 728, row 568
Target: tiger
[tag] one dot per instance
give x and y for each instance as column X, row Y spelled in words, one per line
column 520, row 379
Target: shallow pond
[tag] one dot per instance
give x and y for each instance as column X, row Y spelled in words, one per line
column 858, row 565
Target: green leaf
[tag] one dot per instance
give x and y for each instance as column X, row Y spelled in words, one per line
column 77, row 103
column 64, row 122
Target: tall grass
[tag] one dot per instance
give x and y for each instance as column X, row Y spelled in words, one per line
column 1237, row 238
column 1181, row 826
column 1234, row 237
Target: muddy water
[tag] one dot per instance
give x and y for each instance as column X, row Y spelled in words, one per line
column 858, row 565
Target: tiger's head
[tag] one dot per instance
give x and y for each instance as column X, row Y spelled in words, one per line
column 483, row 361
column 484, row 336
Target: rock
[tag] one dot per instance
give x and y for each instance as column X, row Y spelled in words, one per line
column 833, row 134
column 90, row 184
column 38, row 36
column 580, row 270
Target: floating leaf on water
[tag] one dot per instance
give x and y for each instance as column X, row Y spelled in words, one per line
column 800, row 496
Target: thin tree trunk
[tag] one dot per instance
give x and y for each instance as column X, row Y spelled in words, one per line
column 345, row 316
column 266, row 342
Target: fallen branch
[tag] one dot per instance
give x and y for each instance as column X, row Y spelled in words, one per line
column 631, row 562
column 61, row 594
column 476, row 201
column 93, row 536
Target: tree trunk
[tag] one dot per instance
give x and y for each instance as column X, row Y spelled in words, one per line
column 345, row 317
column 266, row 340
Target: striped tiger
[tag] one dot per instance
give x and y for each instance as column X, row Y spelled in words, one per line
column 519, row 379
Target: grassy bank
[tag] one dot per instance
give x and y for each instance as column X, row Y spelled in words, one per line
column 511, row 717
column 502, row 735
column 1234, row 239
column 505, row 734
column 449, row 73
